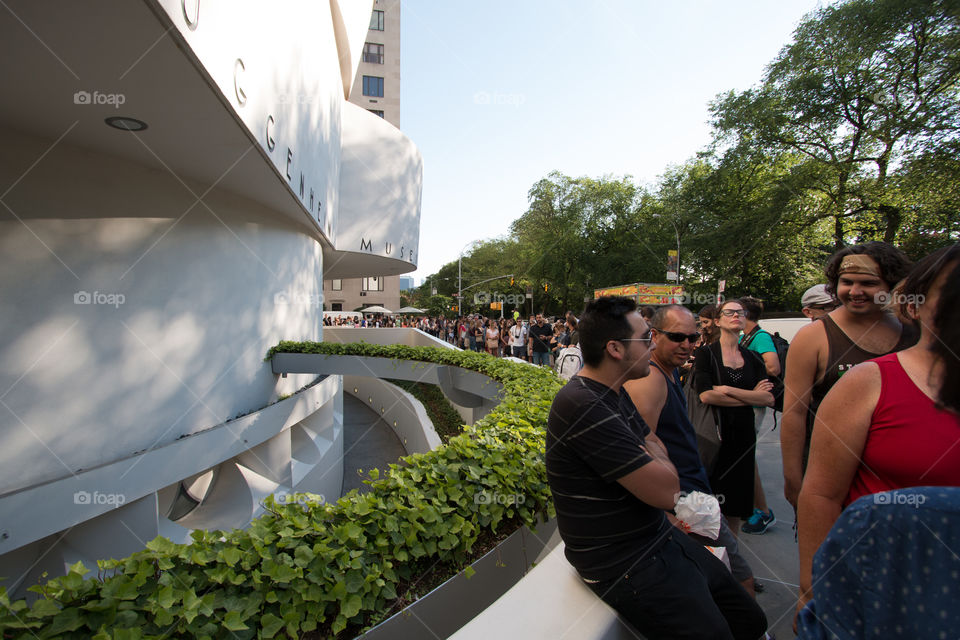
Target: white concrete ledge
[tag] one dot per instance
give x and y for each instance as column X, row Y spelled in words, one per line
column 574, row 611
column 51, row 507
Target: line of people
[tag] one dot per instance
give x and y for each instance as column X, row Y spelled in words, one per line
column 538, row 340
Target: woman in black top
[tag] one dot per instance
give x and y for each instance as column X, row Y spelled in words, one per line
column 734, row 380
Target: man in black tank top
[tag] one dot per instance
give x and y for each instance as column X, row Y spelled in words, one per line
column 861, row 277
column 660, row 400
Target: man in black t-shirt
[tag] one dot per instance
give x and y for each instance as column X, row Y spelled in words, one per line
column 612, row 480
column 539, row 337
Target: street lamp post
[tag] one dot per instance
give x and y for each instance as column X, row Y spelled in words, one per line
column 460, row 277
column 677, row 231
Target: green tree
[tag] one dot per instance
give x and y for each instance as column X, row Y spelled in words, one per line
column 862, row 83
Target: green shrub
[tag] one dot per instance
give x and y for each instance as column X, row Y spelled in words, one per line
column 446, row 421
column 307, row 566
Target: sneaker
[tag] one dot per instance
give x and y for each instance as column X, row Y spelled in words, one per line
column 759, row 522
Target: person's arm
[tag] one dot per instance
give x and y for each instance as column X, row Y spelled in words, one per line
column 649, row 394
column 718, row 398
column 762, row 345
column 802, row 359
column 655, row 447
column 843, row 422
column 759, row 396
column 772, row 362
column 655, row 483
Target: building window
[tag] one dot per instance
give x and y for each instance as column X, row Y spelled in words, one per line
column 376, row 21
column 373, row 283
column 373, row 53
column 373, row 86
column 376, row 112
column 336, row 285
column 337, row 306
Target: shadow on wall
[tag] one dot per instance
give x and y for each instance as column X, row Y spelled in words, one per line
column 142, row 323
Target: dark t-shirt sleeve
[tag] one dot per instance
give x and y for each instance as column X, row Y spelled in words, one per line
column 703, row 368
column 606, row 442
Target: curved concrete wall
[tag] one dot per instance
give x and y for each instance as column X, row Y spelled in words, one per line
column 400, row 410
column 136, row 321
column 146, row 270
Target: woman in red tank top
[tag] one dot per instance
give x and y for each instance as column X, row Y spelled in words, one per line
column 881, row 426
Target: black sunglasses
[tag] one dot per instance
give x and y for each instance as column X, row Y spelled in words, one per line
column 680, row 337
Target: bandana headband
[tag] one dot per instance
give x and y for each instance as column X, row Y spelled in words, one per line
column 860, row 264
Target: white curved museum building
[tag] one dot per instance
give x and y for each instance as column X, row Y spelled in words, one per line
column 177, row 178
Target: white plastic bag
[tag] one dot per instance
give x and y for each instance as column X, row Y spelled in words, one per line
column 699, row 512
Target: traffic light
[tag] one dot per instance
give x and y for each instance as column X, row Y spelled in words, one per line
column 546, row 286
column 511, row 281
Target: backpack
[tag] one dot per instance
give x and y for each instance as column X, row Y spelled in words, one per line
column 569, row 362
column 781, row 345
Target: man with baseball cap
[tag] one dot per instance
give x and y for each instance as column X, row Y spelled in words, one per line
column 816, row 302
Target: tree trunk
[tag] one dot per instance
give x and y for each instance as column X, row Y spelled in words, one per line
column 893, row 217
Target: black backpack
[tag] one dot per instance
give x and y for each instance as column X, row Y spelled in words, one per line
column 781, row 345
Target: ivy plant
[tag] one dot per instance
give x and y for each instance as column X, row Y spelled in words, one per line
column 308, row 568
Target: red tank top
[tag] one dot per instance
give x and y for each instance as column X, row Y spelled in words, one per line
column 910, row 443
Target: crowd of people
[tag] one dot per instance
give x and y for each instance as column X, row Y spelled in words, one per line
column 869, row 391
column 537, row 339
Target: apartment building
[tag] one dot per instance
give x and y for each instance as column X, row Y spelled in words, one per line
column 376, row 88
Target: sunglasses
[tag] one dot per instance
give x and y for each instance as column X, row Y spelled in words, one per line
column 733, row 312
column 680, row 337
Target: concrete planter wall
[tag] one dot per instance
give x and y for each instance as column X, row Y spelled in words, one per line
column 476, row 393
column 400, row 410
column 443, row 611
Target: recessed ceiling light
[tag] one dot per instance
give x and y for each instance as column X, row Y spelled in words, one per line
column 126, row 124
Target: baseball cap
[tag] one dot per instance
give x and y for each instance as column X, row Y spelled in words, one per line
column 816, row 296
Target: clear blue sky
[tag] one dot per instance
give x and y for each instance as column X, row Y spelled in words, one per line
column 498, row 94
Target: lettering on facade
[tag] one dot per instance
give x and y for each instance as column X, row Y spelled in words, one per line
column 238, row 68
column 271, row 143
column 195, row 12
column 367, row 245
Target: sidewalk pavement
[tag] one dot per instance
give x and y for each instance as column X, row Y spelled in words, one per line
column 773, row 555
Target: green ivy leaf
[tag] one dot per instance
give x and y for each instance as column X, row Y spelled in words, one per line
column 269, row 625
column 234, row 621
column 351, row 606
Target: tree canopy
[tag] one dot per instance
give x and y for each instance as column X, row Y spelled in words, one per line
column 851, row 135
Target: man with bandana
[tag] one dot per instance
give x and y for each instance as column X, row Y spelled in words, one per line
column 861, row 277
